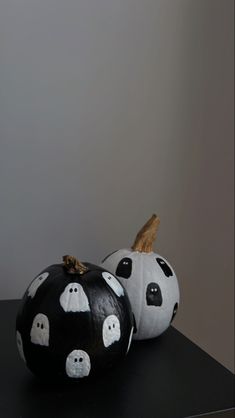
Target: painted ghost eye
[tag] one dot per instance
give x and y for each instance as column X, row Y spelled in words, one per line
column 124, row 268
column 109, row 326
column 42, row 326
column 71, row 290
column 75, row 360
column 165, row 268
column 81, row 359
column 75, row 290
column 38, row 325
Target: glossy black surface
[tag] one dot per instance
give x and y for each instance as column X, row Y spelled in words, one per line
column 165, row 377
column 70, row 330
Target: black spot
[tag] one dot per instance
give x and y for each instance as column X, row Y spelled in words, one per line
column 109, row 327
column 80, row 359
column 75, row 360
column 134, row 323
column 124, row 268
column 71, row 290
column 42, row 326
column 107, row 256
column 113, row 325
column 174, row 311
column 38, row 325
column 75, row 290
column 153, row 294
column 165, row 268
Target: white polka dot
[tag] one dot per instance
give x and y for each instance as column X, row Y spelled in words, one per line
column 40, row 330
column 113, row 283
column 37, row 283
column 74, row 299
column 111, row 330
column 78, row 364
column 19, row 343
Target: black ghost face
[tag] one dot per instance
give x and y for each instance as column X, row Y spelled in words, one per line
column 124, row 268
column 135, row 326
column 165, row 268
column 174, row 311
column 153, row 294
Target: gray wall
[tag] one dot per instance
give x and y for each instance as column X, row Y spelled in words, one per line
column 111, row 110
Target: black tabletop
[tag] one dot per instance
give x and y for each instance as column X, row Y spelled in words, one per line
column 165, row 377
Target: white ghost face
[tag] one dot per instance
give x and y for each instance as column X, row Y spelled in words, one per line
column 40, row 330
column 113, row 283
column 78, row 364
column 130, row 339
column 74, row 299
column 111, row 330
column 36, row 283
column 19, row 343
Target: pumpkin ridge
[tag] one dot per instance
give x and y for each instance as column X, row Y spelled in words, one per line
column 140, row 294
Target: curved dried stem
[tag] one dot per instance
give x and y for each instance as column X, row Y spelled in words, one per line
column 73, row 265
column 146, row 236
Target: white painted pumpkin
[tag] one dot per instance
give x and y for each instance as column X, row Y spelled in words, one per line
column 149, row 280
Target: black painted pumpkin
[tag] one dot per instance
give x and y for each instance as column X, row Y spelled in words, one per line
column 74, row 320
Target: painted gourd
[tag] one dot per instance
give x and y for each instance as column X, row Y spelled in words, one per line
column 74, row 320
column 149, row 280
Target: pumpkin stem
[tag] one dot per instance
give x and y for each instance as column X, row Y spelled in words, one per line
column 146, row 236
column 73, row 265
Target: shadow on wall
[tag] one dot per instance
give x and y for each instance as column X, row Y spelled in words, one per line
column 203, row 195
